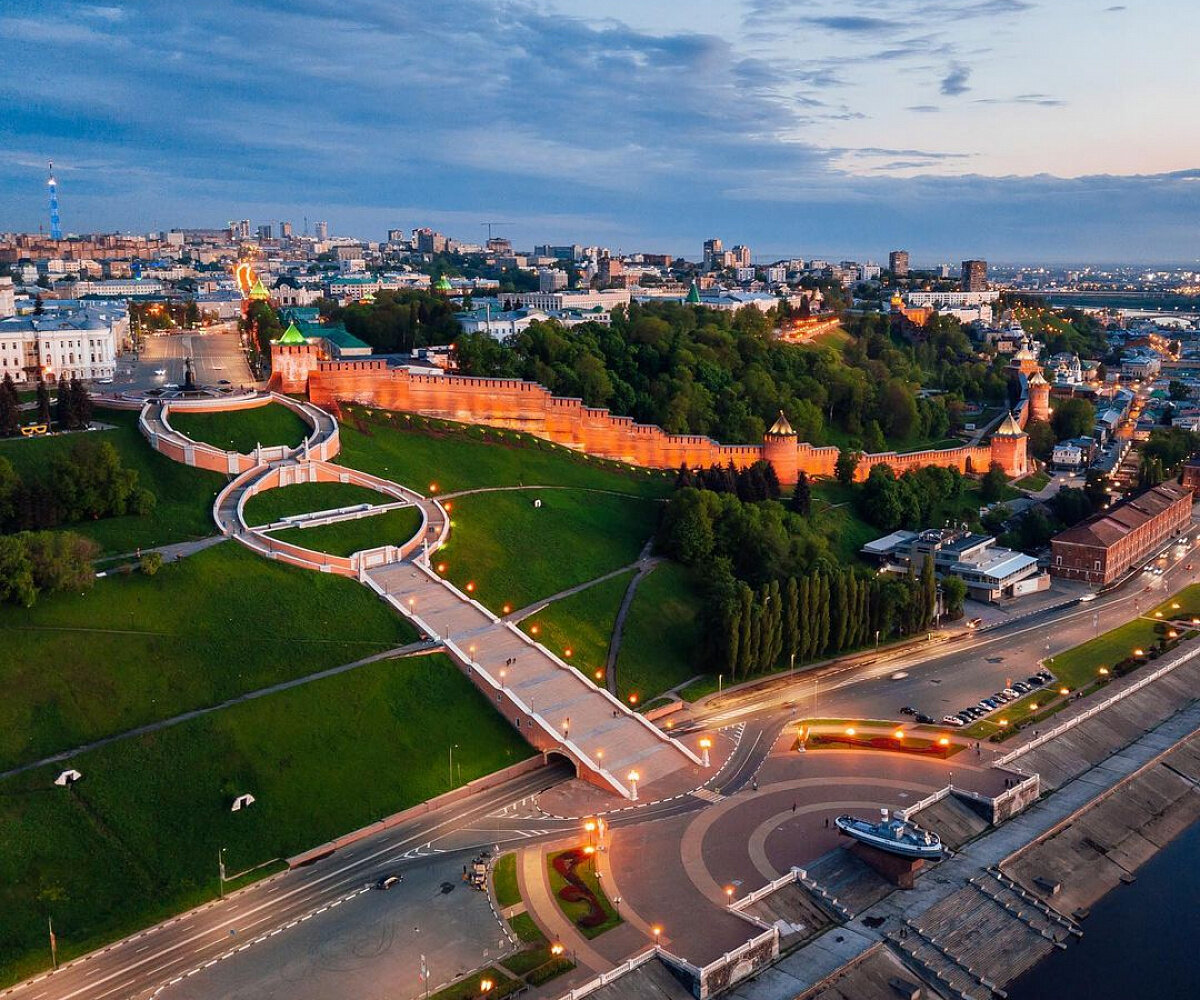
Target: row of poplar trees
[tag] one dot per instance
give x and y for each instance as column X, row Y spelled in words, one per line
column 820, row 614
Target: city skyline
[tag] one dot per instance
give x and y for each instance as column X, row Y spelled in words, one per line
column 794, row 127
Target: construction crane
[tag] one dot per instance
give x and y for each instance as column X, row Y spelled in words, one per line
column 489, row 227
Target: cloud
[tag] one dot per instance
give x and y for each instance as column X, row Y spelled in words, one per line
column 1038, row 100
column 853, row 25
column 925, row 109
column 954, row 82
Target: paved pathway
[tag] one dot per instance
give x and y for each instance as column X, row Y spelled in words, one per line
column 176, row 550
column 645, row 564
column 412, row 648
column 530, row 609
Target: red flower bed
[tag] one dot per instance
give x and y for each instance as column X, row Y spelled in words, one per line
column 576, row 890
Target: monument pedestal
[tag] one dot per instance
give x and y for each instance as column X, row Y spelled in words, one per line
column 899, row 871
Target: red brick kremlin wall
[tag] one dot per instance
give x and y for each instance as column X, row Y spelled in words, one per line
column 529, row 407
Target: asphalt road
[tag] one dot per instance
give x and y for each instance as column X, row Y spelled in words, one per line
column 324, row 895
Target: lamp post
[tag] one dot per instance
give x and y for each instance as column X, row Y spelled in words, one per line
column 221, row 872
column 728, row 895
column 633, row 780
column 706, row 745
column 453, row 747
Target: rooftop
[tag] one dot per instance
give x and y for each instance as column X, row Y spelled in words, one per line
column 1110, row 526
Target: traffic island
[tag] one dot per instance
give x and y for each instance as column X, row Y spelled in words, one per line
column 538, row 960
column 577, row 891
column 848, row 734
column 489, row 982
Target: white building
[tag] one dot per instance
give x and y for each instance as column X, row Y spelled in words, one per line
column 77, row 344
column 606, row 298
column 551, row 279
column 8, row 302
column 118, row 289
column 952, row 300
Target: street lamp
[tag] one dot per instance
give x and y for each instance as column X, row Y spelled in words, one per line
column 453, row 747
column 728, row 895
column 657, row 932
column 485, row 986
column 221, row 871
column 633, row 780
column 705, row 745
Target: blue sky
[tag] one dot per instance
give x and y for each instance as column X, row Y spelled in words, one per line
column 1010, row 129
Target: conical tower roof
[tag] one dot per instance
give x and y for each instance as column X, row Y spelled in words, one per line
column 258, row 290
column 1037, row 379
column 1009, row 428
column 443, row 284
column 781, row 427
column 693, row 295
column 292, row 335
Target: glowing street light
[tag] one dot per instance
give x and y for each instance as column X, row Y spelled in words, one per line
column 944, row 741
column 728, row 895
column 486, row 986
column 850, row 730
column 898, row 734
column 1138, row 652
column 1064, row 691
column 633, row 780
column 657, row 932
column 556, row 949
column 705, row 745
column 471, row 587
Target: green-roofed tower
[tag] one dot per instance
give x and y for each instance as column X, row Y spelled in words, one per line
column 443, row 284
column 292, row 335
column 693, row 295
column 258, row 290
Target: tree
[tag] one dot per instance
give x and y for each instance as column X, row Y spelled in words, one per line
column 873, row 441
column 847, row 463
column 1041, row 439
column 43, row 402
column 954, row 592
column 992, row 485
column 801, row 502
column 1178, row 390
column 10, row 407
column 1073, row 418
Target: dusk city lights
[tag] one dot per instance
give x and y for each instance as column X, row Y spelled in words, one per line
column 629, row 501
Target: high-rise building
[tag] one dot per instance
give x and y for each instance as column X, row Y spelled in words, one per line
column 898, row 263
column 396, row 236
column 285, row 230
column 974, row 276
column 714, row 251
column 429, row 241
column 243, row 229
column 741, row 256
column 264, row 231
column 321, row 229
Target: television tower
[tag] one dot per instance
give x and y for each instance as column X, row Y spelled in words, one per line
column 55, row 227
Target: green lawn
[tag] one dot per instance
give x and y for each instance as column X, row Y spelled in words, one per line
column 470, row 988
column 305, row 498
column 516, row 554
column 343, row 538
column 575, row 910
column 185, row 495
column 242, row 430
column 582, row 623
column 138, row 837
column 419, row 452
column 1033, row 482
column 504, row 882
column 1188, row 600
column 136, row 648
column 523, row 926
column 663, row 633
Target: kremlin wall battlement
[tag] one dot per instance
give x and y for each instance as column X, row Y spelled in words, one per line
column 529, row 407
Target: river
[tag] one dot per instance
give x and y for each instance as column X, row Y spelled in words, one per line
column 1141, row 940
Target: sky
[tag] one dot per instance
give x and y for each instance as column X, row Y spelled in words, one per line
column 1014, row 130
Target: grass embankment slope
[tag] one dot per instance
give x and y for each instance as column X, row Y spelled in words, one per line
column 137, row 838
column 420, row 453
column 185, row 495
column 135, row 648
column 306, row 498
column 242, row 430
column 583, row 624
column 344, row 538
column 661, row 645
column 515, row 553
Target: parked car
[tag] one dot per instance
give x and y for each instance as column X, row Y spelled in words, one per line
column 925, row 720
column 952, row 720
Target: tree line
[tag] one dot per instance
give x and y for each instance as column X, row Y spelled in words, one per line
column 36, row 562
column 693, row 370
column 83, row 483
column 397, row 321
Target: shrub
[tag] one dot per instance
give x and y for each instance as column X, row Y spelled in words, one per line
column 151, row 563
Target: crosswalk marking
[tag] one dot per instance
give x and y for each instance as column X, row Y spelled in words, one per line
column 707, row 795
